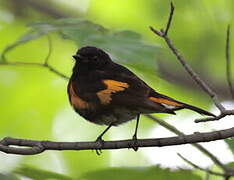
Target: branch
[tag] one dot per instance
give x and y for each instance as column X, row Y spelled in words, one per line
column 164, row 34
column 203, row 169
column 198, row 146
column 36, row 147
column 45, row 64
column 222, row 115
column 179, row 78
column 228, row 63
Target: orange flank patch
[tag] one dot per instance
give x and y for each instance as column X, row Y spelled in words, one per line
column 165, row 101
column 76, row 101
column 112, row 87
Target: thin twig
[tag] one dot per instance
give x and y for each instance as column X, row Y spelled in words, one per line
column 169, row 19
column 181, row 59
column 222, row 115
column 49, row 51
column 228, row 63
column 198, row 146
column 186, row 66
column 49, row 67
column 202, row 169
column 31, row 147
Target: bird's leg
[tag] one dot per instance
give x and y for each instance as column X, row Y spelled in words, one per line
column 134, row 137
column 100, row 140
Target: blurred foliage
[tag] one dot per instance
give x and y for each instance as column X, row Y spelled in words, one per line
column 38, row 174
column 141, row 173
column 34, row 102
column 8, row 177
column 230, row 143
column 124, row 46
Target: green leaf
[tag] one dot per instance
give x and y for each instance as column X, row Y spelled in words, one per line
column 141, row 173
column 230, row 143
column 39, row 174
column 124, row 46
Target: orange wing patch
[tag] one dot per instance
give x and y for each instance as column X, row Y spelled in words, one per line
column 112, row 87
column 76, row 101
column 165, row 101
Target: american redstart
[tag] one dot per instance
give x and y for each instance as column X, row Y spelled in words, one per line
column 106, row 93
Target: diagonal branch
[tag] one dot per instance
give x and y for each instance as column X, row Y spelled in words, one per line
column 182, row 60
column 203, row 169
column 228, row 63
column 198, row 146
column 164, row 34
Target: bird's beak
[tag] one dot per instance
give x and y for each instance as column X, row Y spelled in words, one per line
column 76, row 57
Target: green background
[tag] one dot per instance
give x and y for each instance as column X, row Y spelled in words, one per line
column 34, row 103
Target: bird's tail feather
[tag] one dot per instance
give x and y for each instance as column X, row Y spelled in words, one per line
column 174, row 105
column 198, row 110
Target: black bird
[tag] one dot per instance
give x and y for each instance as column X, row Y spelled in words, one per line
column 106, row 93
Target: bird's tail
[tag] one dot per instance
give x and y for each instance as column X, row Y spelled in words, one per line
column 198, row 110
column 174, row 105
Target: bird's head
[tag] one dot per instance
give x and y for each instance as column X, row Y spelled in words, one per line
column 91, row 57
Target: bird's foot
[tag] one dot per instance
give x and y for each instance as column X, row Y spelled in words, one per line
column 100, row 141
column 135, row 146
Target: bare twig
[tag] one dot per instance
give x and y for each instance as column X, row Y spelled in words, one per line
column 46, row 64
column 49, row 51
column 194, row 75
column 198, row 146
column 36, row 147
column 179, row 78
column 203, row 169
column 182, row 60
column 223, row 114
column 228, row 63
column 169, row 20
column 49, row 67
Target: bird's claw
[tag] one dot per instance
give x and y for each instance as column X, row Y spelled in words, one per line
column 100, row 141
column 134, row 138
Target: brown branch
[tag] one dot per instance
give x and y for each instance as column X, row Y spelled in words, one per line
column 163, row 34
column 205, row 170
column 180, row 79
column 198, row 146
column 228, row 63
column 169, row 20
column 49, row 67
column 36, row 147
column 223, row 114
